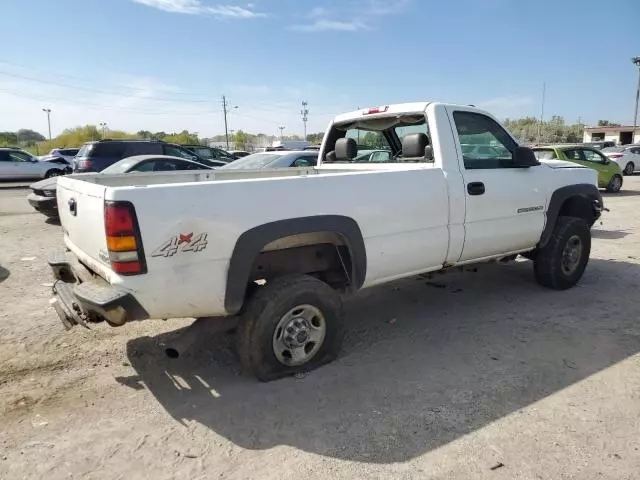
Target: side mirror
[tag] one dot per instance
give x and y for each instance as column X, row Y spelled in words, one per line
column 523, row 157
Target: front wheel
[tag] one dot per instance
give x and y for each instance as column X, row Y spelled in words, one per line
column 561, row 262
column 629, row 168
column 53, row 173
column 293, row 324
column 615, row 184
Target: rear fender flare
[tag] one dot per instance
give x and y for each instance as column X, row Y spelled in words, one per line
column 251, row 243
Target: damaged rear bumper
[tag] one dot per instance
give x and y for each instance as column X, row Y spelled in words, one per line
column 81, row 297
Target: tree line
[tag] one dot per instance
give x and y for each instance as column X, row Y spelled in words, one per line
column 526, row 130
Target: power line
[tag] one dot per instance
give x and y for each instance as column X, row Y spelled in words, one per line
column 19, row 94
column 116, row 86
column 97, row 90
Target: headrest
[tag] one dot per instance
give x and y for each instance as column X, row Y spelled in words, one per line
column 413, row 145
column 346, row 149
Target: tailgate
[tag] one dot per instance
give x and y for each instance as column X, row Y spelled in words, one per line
column 81, row 210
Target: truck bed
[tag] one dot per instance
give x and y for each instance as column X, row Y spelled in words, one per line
column 185, row 177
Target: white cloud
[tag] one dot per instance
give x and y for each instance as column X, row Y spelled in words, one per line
column 196, row 7
column 383, row 7
column 508, row 106
column 508, row 102
column 319, row 12
column 330, row 25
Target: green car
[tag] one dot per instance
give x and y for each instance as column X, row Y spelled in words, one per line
column 609, row 173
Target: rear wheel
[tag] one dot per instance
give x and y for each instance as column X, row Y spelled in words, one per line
column 629, row 168
column 562, row 261
column 293, row 324
column 615, row 184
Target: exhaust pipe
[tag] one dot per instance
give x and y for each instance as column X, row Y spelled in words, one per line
column 202, row 328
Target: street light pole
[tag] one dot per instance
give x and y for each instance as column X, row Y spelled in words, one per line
column 636, row 62
column 281, row 127
column 48, row 112
column 103, row 126
column 305, row 116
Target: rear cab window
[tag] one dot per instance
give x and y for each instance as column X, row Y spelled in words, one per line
column 379, row 139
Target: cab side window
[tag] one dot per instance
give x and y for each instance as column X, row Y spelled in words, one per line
column 485, row 144
column 593, row 156
column 19, row 157
column 574, row 154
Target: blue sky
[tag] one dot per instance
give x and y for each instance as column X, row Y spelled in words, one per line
column 164, row 64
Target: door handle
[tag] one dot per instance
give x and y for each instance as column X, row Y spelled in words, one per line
column 475, row 188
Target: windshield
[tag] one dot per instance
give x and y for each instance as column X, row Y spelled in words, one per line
column 613, row 150
column 85, row 150
column 122, row 166
column 203, row 152
column 255, row 161
column 547, row 154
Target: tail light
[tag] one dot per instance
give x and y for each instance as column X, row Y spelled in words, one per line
column 615, row 155
column 123, row 239
column 373, row 110
column 84, row 164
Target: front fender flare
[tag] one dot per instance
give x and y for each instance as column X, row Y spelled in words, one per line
column 585, row 190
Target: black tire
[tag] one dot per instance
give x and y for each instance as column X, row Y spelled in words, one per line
column 269, row 305
column 629, row 168
column 530, row 255
column 53, row 173
column 550, row 268
column 615, row 184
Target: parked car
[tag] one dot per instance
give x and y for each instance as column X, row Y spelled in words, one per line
column 627, row 157
column 279, row 159
column 98, row 155
column 16, row 164
column 375, row 156
column 65, row 165
column 210, row 153
column 599, row 145
column 66, row 153
column 609, row 173
column 280, row 250
column 43, row 193
column 239, row 153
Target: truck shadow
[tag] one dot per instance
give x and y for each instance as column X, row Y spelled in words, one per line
column 424, row 362
column 4, row 274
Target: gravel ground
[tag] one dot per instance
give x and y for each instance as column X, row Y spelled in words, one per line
column 476, row 375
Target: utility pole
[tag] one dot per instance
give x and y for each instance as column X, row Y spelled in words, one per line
column 225, row 109
column 636, row 62
column 226, row 130
column 48, row 112
column 544, row 90
column 103, row 126
column 281, row 127
column 305, row 112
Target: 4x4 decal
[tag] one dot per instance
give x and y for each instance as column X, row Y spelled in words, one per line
column 183, row 242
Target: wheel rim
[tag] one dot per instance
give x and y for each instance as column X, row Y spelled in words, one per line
column 571, row 255
column 299, row 335
column 629, row 169
column 616, row 183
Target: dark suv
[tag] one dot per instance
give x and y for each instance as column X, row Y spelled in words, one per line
column 98, row 155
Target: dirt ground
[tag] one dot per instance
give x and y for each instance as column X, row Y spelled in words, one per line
column 476, row 375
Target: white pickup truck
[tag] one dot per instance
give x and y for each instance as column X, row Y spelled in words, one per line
column 279, row 249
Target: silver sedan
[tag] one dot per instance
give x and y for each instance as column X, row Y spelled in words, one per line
column 16, row 164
